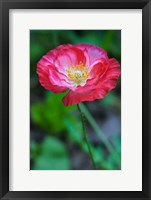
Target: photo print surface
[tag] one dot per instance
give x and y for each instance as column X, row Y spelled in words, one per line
column 75, row 99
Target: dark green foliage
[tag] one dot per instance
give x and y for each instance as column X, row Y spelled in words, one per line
column 50, row 114
column 50, row 154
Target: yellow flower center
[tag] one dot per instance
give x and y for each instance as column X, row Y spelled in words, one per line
column 78, row 74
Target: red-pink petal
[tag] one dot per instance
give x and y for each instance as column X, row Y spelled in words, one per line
column 95, row 53
column 99, row 68
column 75, row 98
column 53, row 53
column 113, row 71
column 58, row 78
column 67, row 57
column 45, row 81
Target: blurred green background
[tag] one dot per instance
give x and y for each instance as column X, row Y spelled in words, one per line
column 56, row 139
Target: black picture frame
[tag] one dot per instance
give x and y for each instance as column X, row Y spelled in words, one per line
column 5, row 5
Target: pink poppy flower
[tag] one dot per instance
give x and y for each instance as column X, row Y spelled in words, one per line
column 84, row 69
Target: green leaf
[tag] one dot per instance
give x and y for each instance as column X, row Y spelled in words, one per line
column 114, row 159
column 53, row 156
column 50, row 114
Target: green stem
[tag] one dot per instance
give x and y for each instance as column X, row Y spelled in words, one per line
column 85, row 137
column 97, row 128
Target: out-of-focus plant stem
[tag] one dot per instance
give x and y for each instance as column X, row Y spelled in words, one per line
column 96, row 128
column 85, row 137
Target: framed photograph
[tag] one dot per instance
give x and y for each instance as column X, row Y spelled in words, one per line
column 75, row 99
